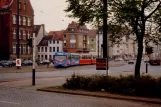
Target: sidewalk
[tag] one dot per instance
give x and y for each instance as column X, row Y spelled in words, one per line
column 39, row 83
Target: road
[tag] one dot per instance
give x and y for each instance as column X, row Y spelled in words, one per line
column 83, row 70
column 14, row 97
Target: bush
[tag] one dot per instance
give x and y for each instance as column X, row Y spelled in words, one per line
column 127, row 85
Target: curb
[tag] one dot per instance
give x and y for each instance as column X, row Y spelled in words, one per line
column 104, row 95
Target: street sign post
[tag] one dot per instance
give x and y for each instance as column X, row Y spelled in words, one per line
column 101, row 64
column 18, row 62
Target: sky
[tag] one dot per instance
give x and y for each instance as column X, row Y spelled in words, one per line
column 51, row 13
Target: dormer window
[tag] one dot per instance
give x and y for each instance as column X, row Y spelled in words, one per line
column 72, row 30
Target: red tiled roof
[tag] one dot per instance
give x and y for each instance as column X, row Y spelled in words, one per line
column 57, row 35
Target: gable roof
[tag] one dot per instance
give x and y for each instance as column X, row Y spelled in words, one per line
column 36, row 29
column 44, row 41
column 57, row 35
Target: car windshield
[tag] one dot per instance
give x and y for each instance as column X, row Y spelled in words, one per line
column 60, row 57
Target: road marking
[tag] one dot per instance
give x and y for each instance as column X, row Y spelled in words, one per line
column 10, row 102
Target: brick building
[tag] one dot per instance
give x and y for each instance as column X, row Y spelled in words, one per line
column 76, row 38
column 8, row 29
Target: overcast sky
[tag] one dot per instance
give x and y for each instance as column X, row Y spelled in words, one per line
column 51, row 13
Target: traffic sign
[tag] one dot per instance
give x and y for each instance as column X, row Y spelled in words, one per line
column 18, row 62
column 101, row 64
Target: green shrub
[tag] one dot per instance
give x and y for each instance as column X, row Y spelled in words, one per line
column 127, row 85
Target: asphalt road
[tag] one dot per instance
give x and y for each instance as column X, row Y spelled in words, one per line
column 83, row 70
column 13, row 97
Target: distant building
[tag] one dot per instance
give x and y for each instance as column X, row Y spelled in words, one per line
column 76, row 38
column 92, row 40
column 40, row 32
column 49, row 45
column 8, row 30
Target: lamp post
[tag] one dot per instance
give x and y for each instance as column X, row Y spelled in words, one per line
column 34, row 54
column 18, row 27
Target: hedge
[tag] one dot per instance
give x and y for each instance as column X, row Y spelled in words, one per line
column 146, row 86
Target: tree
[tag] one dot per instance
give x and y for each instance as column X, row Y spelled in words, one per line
column 134, row 14
column 137, row 14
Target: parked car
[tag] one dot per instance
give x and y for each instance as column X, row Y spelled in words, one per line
column 6, row 63
column 44, row 62
column 27, row 63
column 130, row 62
column 12, row 62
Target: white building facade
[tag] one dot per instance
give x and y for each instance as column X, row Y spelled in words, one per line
column 48, row 46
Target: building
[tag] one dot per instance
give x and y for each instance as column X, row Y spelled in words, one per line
column 127, row 47
column 92, row 40
column 76, row 38
column 40, row 32
column 49, row 45
column 8, row 29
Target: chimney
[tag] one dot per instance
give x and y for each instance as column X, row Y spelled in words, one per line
column 43, row 29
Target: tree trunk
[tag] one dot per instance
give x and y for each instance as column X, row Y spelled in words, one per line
column 139, row 58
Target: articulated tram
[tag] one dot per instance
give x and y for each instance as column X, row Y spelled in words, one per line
column 65, row 59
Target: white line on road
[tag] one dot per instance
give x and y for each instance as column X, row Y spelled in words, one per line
column 10, row 102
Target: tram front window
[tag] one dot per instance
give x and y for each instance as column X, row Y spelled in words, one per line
column 60, row 57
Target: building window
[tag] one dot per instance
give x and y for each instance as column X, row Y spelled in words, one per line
column 14, row 33
column 72, row 37
column 28, row 50
column 65, row 44
column 20, row 19
column 45, row 49
column 64, row 37
column 46, row 57
column 42, row 49
column 24, row 35
column 53, row 42
column 14, row 19
column 72, row 45
column 24, row 49
column 28, row 35
column 14, row 49
column 38, row 49
column 24, row 21
column 53, row 49
column 50, row 58
column 24, row 6
column 50, row 42
column 57, row 41
column 57, row 49
column 29, row 21
column 19, row 5
column 50, row 49
column 42, row 57
column 19, row 34
column 72, row 30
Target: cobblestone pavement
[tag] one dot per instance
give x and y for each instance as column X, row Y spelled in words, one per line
column 14, row 97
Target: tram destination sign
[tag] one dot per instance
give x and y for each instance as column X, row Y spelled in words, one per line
column 101, row 64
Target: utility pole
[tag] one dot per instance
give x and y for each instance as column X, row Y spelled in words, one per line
column 33, row 66
column 105, row 28
column 18, row 28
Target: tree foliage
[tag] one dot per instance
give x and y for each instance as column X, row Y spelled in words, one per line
column 141, row 17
